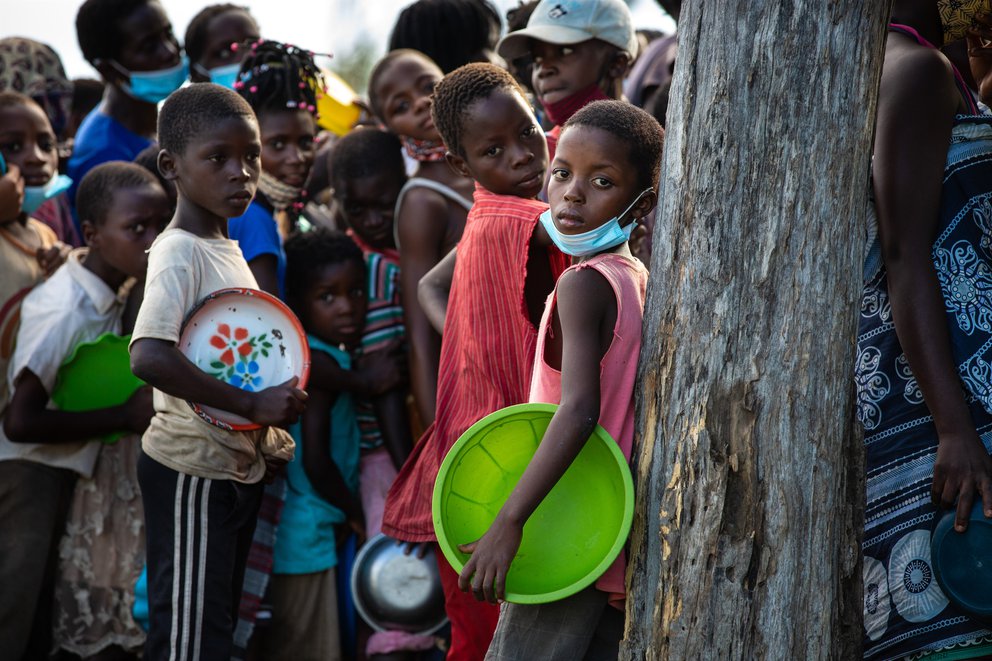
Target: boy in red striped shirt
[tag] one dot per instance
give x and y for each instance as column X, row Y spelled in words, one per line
column 504, row 270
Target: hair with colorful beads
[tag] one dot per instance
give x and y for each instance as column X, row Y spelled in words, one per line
column 277, row 76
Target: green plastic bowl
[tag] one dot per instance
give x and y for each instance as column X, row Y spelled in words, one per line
column 573, row 536
column 97, row 375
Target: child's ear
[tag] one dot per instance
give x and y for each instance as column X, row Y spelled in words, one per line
column 167, row 165
column 645, row 205
column 108, row 72
column 620, row 65
column 458, row 164
column 90, row 232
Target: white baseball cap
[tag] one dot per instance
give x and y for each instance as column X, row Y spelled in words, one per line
column 571, row 22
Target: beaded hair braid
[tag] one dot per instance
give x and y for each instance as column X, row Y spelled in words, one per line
column 277, row 76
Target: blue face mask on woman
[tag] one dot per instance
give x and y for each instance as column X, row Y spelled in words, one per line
column 606, row 236
column 224, row 76
column 154, row 86
column 35, row 196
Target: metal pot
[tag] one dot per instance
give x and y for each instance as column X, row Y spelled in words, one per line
column 394, row 591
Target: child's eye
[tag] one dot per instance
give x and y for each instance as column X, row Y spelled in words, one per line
column 138, row 228
column 602, row 182
column 277, row 144
column 216, row 158
column 306, row 143
column 529, row 131
column 566, row 50
column 559, row 174
column 493, row 151
column 400, row 107
column 10, row 147
column 327, row 297
column 48, row 145
column 358, row 293
column 253, row 156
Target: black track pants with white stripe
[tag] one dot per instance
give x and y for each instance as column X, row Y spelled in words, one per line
column 198, row 535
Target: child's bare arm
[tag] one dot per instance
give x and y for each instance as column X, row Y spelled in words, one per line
column 161, row 364
column 323, row 473
column 420, row 225
column 373, row 374
column 434, row 288
column 394, row 424
column 29, row 420
column 584, row 300
column 265, row 268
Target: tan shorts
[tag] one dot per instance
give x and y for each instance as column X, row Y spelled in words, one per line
column 304, row 618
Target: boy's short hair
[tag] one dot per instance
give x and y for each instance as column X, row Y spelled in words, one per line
column 459, row 90
column 308, row 252
column 10, row 98
column 637, row 128
column 572, row 22
column 96, row 191
column 191, row 110
column 98, row 27
column 195, row 40
column 365, row 152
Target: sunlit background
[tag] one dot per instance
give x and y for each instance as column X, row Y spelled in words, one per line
column 355, row 31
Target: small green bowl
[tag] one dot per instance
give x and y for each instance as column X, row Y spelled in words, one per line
column 573, row 536
column 97, row 375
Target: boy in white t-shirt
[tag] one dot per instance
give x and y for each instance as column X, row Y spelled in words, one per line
column 201, row 485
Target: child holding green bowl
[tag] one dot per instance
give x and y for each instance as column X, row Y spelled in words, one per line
column 603, row 181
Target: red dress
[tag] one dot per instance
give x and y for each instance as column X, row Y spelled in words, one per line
column 487, row 348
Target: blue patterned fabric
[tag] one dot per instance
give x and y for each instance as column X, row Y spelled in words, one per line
column 905, row 610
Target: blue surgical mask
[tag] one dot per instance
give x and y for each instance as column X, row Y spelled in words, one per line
column 225, row 76
column 35, row 196
column 606, row 236
column 154, row 86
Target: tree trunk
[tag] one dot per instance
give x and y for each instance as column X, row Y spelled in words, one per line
column 746, row 540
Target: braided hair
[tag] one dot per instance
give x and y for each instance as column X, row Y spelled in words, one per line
column 459, row 90
column 277, row 76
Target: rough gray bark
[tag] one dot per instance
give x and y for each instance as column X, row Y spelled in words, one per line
column 747, row 533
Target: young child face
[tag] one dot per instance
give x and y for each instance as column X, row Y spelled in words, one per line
column 288, row 145
column 335, row 304
column 149, row 43
column 504, row 149
column 218, row 170
column 133, row 220
column 231, row 27
column 592, row 180
column 404, row 91
column 561, row 70
column 27, row 140
column 367, row 204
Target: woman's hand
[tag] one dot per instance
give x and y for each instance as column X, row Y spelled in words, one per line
column 963, row 470
column 485, row 572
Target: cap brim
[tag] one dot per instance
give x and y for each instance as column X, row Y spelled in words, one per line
column 517, row 43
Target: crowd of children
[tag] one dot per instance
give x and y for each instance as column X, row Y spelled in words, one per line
column 428, row 299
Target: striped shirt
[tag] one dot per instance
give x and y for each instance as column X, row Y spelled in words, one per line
column 487, row 348
column 383, row 324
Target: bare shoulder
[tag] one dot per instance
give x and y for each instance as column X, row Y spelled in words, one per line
column 584, row 289
column 421, row 200
column 914, row 73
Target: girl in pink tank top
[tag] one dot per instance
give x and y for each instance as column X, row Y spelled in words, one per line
column 603, row 181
